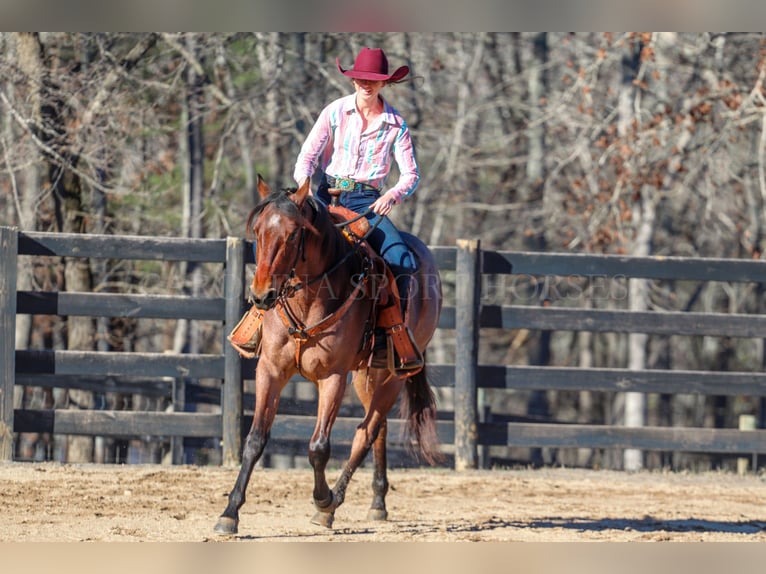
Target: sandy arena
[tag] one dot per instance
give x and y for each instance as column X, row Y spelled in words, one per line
column 55, row 502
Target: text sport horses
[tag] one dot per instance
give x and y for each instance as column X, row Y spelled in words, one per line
column 314, row 287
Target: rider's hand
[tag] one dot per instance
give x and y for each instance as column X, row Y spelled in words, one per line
column 384, row 204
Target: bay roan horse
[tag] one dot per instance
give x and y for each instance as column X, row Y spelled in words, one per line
column 307, row 270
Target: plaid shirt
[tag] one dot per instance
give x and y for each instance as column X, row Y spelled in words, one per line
column 337, row 145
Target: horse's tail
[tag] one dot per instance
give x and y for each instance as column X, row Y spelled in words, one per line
column 418, row 409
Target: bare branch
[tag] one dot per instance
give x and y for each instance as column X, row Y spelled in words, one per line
column 172, row 40
column 26, row 125
column 112, row 77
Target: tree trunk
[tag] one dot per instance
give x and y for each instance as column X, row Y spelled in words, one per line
column 638, row 289
column 27, row 193
column 188, row 333
column 585, row 398
column 537, row 85
column 270, row 60
column 634, row 403
column 77, row 277
column 195, row 95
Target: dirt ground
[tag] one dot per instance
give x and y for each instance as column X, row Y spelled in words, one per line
column 51, row 502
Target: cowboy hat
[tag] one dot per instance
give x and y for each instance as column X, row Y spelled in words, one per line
column 372, row 64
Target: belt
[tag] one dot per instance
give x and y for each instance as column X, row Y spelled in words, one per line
column 347, row 184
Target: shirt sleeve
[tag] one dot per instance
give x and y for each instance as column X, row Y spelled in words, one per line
column 409, row 173
column 313, row 146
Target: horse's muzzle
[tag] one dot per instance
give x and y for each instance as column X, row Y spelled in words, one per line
column 266, row 301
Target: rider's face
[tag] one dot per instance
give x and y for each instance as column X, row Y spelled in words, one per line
column 368, row 88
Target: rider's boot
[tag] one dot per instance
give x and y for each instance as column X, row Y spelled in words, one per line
column 401, row 352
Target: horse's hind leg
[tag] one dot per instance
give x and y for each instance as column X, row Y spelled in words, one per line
column 380, row 476
column 365, row 436
column 365, row 391
column 378, row 400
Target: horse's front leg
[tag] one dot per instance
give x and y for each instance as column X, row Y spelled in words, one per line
column 268, row 388
column 252, row 450
column 331, row 392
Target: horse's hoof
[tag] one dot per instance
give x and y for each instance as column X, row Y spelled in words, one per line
column 377, row 514
column 323, row 519
column 226, row 525
column 325, row 505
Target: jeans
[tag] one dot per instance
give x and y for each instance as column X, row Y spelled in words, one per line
column 385, row 239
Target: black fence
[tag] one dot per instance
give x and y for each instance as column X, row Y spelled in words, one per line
column 464, row 431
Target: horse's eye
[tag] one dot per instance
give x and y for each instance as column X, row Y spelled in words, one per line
column 292, row 235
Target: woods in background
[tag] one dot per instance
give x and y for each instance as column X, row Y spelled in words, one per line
column 621, row 143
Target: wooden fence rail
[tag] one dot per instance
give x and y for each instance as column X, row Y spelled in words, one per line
column 464, row 266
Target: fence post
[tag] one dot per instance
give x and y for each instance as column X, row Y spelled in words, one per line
column 231, row 398
column 746, row 423
column 467, row 302
column 9, row 249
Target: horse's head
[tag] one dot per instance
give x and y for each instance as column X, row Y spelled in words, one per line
column 278, row 226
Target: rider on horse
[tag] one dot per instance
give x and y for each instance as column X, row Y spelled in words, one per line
column 355, row 141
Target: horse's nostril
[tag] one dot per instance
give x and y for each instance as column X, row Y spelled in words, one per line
column 267, row 301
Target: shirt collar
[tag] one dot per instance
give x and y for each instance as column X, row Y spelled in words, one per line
column 389, row 114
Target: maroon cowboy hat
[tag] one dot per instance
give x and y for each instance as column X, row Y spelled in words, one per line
column 372, row 64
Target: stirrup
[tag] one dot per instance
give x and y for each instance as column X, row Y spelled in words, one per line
column 247, row 335
column 404, row 363
column 391, row 360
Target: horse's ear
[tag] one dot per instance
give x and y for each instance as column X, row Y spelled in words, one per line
column 302, row 192
column 263, row 188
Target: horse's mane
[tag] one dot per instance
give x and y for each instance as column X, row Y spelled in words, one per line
column 281, row 201
column 333, row 242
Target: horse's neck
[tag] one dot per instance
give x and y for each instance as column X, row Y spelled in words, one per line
column 330, row 282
